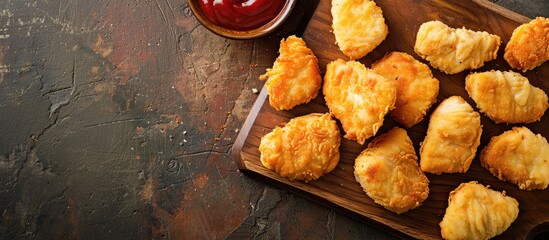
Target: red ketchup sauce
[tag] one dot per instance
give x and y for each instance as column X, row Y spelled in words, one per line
column 241, row 15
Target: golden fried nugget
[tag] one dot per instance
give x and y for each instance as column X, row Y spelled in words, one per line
column 388, row 172
column 518, row 156
column 358, row 25
column 452, row 137
column 477, row 212
column 506, row 96
column 295, row 76
column 453, row 50
column 529, row 45
column 358, row 97
column 416, row 87
column 304, row 149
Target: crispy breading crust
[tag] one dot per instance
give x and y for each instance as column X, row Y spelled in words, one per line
column 518, row 156
column 388, row 172
column 304, row 149
column 453, row 50
column 477, row 212
column 416, row 87
column 529, row 45
column 359, row 26
column 295, row 77
column 452, row 137
column 358, row 97
column 506, row 96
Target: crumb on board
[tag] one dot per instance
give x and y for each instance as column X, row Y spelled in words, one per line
column 254, row 90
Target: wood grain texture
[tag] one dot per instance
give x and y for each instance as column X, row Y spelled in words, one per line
column 339, row 188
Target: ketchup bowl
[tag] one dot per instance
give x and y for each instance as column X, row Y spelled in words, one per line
column 241, row 19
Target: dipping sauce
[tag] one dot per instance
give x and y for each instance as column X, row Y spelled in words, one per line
column 241, row 15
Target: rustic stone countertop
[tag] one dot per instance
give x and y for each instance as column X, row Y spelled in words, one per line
column 117, row 119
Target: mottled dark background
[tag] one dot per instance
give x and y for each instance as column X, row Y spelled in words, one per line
column 116, row 121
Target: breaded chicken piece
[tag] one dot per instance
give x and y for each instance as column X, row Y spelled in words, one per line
column 506, row 96
column 477, row 212
column 295, row 76
column 358, row 97
column 529, row 45
column 358, row 25
column 452, row 138
column 304, row 149
column 453, row 50
column 416, row 87
column 518, row 156
column 389, row 173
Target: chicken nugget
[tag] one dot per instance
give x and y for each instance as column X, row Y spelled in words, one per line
column 477, row 212
column 506, row 96
column 529, row 45
column 358, row 25
column 416, row 87
column 295, row 76
column 304, row 149
column 452, row 137
column 389, row 173
column 358, row 97
column 453, row 50
column 518, row 156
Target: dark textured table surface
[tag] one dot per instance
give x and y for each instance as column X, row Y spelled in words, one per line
column 117, row 118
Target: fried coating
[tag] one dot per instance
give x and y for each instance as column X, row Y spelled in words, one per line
column 529, row 45
column 388, row 172
column 304, row 149
column 453, row 50
column 295, row 76
column 518, row 156
column 506, row 96
column 358, row 97
column 452, row 137
column 358, row 25
column 416, row 88
column 477, row 212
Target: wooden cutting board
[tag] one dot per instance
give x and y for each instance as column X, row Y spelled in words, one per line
column 339, row 189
